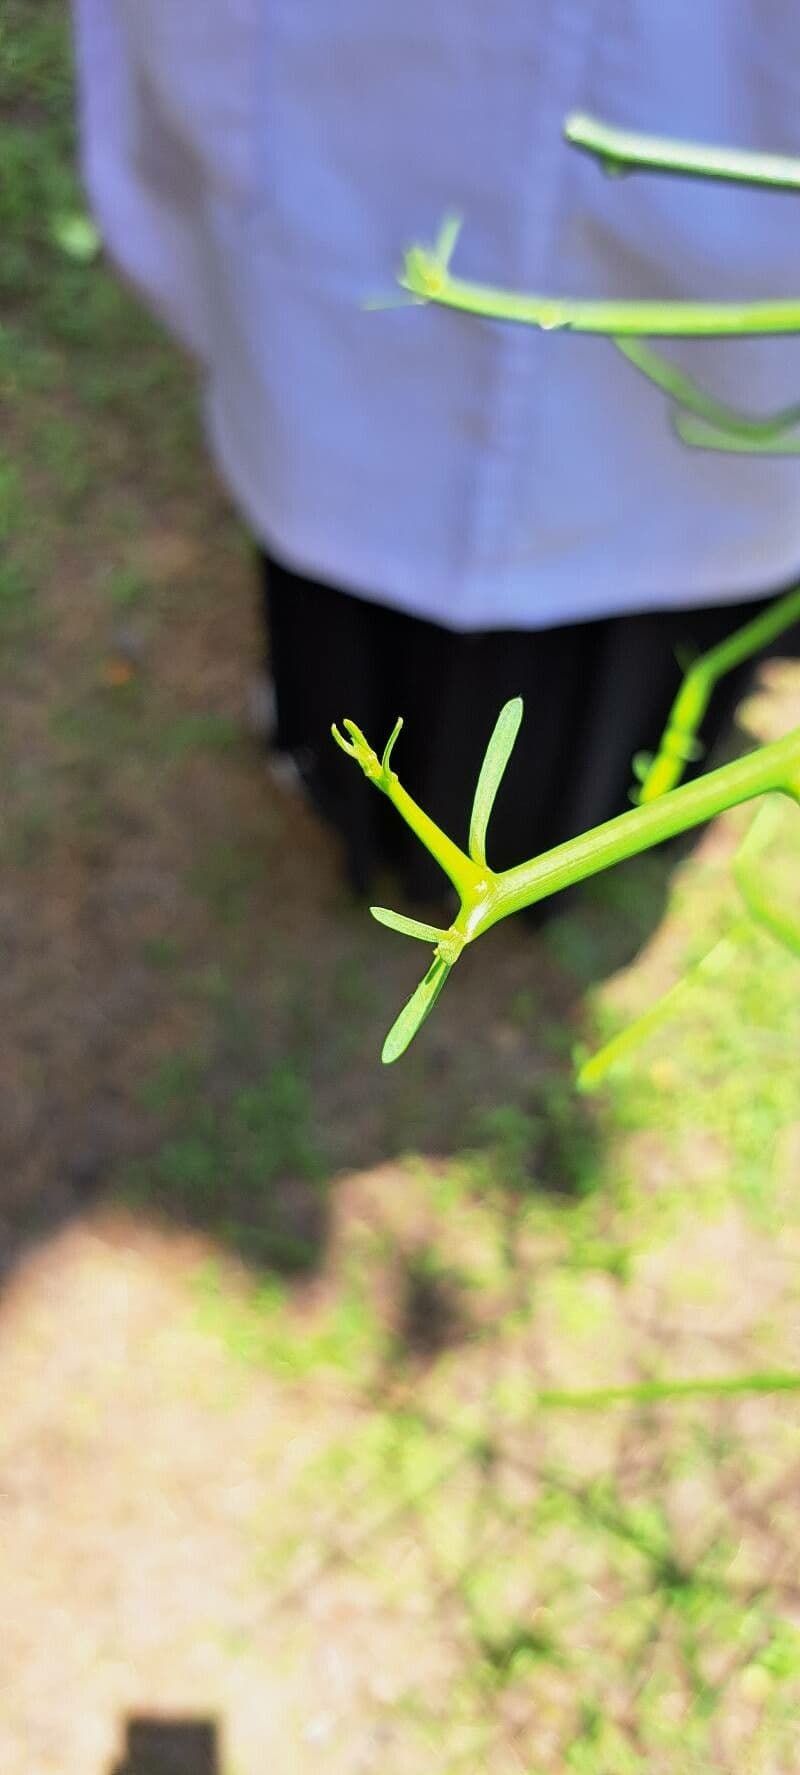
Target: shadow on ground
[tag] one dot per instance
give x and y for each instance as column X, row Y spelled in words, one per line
column 169, row 1747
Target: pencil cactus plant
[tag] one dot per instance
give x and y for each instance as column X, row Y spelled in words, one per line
column 665, row 807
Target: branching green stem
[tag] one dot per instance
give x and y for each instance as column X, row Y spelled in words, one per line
column 777, row 920
column 664, row 809
column 771, row 768
column 467, row 877
column 486, row 896
column 428, row 280
column 679, row 743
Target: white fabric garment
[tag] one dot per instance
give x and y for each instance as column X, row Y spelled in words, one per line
column 259, row 166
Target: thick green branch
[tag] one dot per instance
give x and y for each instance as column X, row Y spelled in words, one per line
column 770, row 768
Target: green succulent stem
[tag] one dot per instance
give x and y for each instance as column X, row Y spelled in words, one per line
column 627, row 151
column 692, row 700
column 467, row 877
column 655, row 1391
column 470, row 880
column 664, row 809
column 592, row 1071
column 487, row 896
column 428, row 280
column 771, row 768
column 779, row 922
column 426, row 274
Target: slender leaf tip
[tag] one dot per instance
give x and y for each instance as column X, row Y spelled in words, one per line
column 447, row 237
column 408, row 927
column 491, row 775
column 390, row 743
column 340, row 740
column 415, row 1011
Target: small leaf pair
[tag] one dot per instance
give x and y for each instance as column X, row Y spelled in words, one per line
column 359, row 748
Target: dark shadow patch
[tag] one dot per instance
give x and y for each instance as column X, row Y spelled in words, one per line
column 169, row 1747
column 431, row 1313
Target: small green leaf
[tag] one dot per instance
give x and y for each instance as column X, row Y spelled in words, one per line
column 446, row 238
column 409, row 927
column 414, row 1013
column 693, row 749
column 359, row 748
column 341, row 741
column 389, row 747
column 498, row 753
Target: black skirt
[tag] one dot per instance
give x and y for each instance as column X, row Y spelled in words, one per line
column 595, row 693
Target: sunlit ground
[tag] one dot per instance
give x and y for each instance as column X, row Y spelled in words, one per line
column 293, row 1475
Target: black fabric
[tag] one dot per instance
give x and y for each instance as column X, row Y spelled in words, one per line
column 595, row 693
